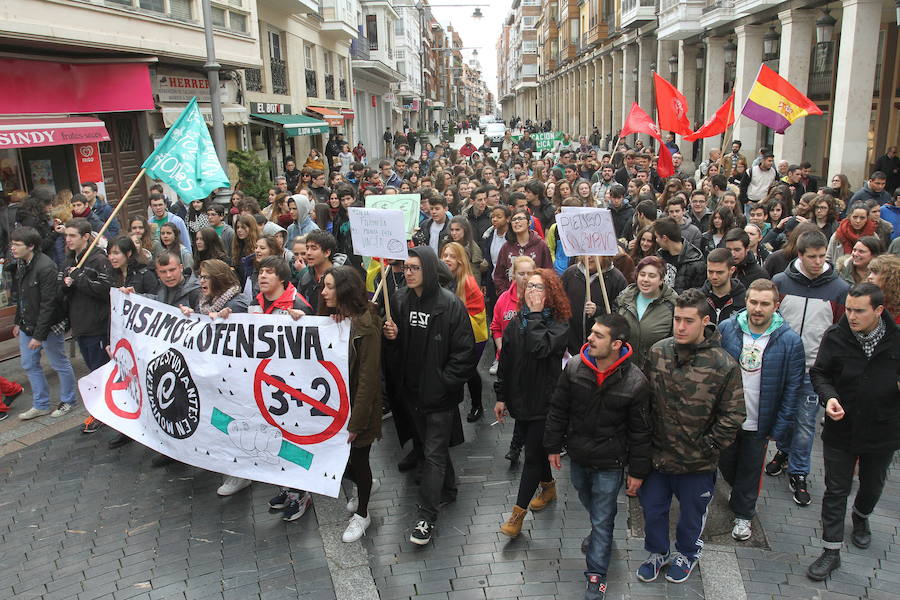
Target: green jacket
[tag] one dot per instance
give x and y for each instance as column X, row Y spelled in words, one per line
column 696, row 405
column 656, row 324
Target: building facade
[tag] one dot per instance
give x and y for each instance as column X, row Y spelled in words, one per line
column 596, row 57
column 517, row 61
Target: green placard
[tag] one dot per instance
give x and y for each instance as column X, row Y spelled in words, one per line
column 544, row 140
column 408, row 203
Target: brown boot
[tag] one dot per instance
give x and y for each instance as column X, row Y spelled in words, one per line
column 545, row 495
column 513, row 526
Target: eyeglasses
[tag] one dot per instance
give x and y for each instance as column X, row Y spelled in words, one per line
column 514, row 219
column 204, row 277
column 412, row 268
column 534, row 286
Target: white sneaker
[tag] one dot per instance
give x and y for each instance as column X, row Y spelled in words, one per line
column 232, row 485
column 357, row 528
column 741, row 530
column 494, row 366
column 353, row 504
column 62, row 410
column 33, row 413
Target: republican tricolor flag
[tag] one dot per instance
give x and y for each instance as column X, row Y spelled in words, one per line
column 775, row 103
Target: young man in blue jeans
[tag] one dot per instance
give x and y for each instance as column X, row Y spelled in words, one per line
column 600, row 411
column 40, row 323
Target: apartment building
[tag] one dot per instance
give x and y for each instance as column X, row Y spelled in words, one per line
column 518, row 59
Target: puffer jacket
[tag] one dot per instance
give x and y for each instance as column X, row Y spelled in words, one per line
column 685, row 271
column 530, row 363
column 365, row 378
column 656, row 324
column 574, row 284
column 865, row 387
column 602, row 417
column 697, row 403
column 782, row 372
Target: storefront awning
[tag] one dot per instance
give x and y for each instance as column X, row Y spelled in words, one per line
column 348, row 113
column 232, row 114
column 50, row 87
column 331, row 116
column 50, row 131
column 296, row 124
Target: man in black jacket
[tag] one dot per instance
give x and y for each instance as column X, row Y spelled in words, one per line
column 746, row 268
column 40, row 324
column 685, row 268
column 430, row 341
column 856, row 378
column 87, row 290
column 599, row 410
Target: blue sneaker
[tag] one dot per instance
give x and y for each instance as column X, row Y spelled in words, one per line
column 681, row 568
column 650, row 568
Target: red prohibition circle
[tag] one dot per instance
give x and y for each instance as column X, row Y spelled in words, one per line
column 340, row 415
column 114, row 386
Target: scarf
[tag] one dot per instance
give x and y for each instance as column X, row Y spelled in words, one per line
column 284, row 302
column 83, row 215
column 285, row 220
column 848, row 237
column 868, row 341
column 206, row 306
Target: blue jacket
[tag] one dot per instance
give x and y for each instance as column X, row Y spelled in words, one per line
column 891, row 214
column 783, row 369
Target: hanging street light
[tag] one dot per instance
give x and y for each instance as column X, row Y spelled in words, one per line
column 825, row 27
column 770, row 42
column 673, row 65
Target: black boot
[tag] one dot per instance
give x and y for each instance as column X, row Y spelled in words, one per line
column 824, row 565
column 475, row 412
column 119, row 440
column 862, row 535
column 514, row 450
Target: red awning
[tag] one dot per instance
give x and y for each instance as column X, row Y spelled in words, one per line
column 50, row 131
column 348, row 113
column 331, row 116
column 42, row 87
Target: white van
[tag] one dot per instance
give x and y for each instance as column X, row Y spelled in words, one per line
column 484, row 120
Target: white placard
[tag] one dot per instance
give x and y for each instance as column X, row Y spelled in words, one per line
column 379, row 232
column 262, row 397
column 586, row 231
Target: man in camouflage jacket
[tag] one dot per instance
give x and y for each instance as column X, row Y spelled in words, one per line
column 697, row 406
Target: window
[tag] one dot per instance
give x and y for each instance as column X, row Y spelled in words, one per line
column 372, row 31
column 401, row 67
column 224, row 15
column 400, row 55
column 309, row 55
column 398, row 27
column 528, row 22
column 177, row 9
column 329, row 63
column 275, row 45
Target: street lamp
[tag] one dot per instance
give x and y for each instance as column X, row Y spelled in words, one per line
column 634, row 75
column 621, row 74
column 477, row 14
column 730, row 52
column 609, row 78
column 770, row 42
column 825, row 27
column 673, row 65
column 701, row 59
column 653, row 67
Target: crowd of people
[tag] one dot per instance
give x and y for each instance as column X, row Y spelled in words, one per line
column 744, row 296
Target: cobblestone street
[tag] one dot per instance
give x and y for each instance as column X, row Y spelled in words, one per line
column 78, row 520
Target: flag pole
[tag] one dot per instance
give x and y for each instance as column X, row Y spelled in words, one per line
column 112, row 216
column 602, row 284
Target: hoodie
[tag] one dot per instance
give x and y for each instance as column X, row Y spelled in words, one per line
column 304, row 223
column 186, row 293
column 725, row 306
column 685, row 271
column 534, row 247
column 289, row 299
column 811, row 306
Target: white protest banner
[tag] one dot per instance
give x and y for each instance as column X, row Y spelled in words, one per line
column 408, row 203
column 378, row 232
column 262, row 397
column 586, row 231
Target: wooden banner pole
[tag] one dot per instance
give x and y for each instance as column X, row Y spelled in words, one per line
column 603, row 285
column 112, row 216
column 384, row 290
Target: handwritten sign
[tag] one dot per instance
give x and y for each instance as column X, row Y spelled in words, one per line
column 586, row 231
column 408, row 203
column 378, row 232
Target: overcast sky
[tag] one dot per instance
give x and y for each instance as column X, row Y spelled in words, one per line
column 481, row 34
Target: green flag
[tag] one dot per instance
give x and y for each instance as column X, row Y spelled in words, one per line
column 186, row 159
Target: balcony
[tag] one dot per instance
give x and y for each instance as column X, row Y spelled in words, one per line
column 371, row 62
column 253, row 80
column 637, row 12
column 312, row 84
column 359, row 49
column 338, row 23
column 329, row 86
column 597, row 34
column 749, row 7
column 679, row 19
column 297, row 7
column 279, row 76
column 717, row 12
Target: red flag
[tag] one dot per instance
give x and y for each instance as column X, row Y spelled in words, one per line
column 640, row 122
column 671, row 107
column 717, row 124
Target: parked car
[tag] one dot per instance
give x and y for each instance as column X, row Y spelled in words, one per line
column 484, row 120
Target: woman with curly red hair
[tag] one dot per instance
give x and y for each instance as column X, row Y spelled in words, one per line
column 531, row 362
